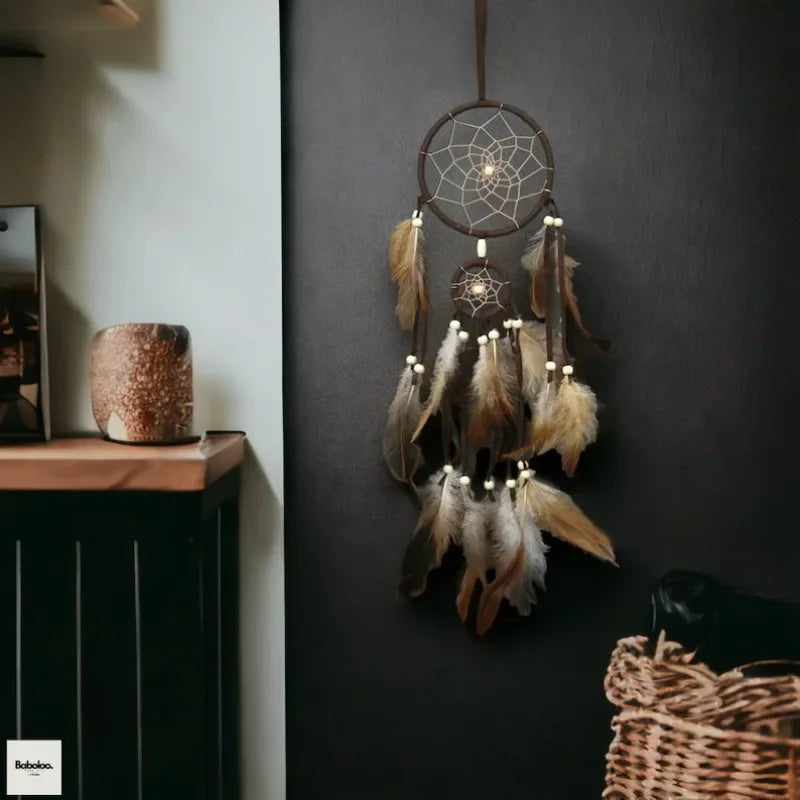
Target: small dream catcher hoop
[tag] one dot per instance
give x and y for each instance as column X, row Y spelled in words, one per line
column 480, row 289
column 485, row 169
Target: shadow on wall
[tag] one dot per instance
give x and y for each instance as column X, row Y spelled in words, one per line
column 73, row 95
column 48, row 157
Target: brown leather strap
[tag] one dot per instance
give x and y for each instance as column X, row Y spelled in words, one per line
column 480, row 44
column 562, row 292
column 517, row 350
column 417, row 349
column 549, row 275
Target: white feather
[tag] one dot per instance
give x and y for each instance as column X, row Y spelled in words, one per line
column 444, row 368
column 443, row 509
column 507, row 532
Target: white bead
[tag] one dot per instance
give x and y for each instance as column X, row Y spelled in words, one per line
column 465, row 480
column 416, row 222
column 550, row 366
column 454, row 324
column 506, row 323
column 481, row 248
column 419, row 368
column 482, row 339
column 520, row 465
column 494, row 334
column 558, row 222
column 488, row 485
column 511, row 483
column 447, row 469
column 525, row 474
column 548, row 220
column 411, row 360
column 463, row 335
column 516, row 323
column 567, row 369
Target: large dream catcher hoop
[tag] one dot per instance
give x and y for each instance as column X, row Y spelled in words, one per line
column 503, row 388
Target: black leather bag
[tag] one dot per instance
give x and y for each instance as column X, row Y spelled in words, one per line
column 727, row 627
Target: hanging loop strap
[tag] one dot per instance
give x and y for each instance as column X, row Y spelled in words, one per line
column 480, row 45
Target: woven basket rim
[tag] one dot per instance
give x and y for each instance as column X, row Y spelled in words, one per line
column 706, row 730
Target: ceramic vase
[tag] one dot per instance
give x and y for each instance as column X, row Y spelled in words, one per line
column 141, row 382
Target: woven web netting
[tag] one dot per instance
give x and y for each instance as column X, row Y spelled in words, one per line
column 486, row 168
column 480, row 290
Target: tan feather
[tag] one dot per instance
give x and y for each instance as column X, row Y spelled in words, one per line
column 439, row 524
column 408, row 271
column 492, row 384
column 466, row 591
column 542, row 430
column 533, row 261
column 402, row 456
column 543, row 425
column 575, row 418
column 444, row 369
column 556, row 512
column 534, row 355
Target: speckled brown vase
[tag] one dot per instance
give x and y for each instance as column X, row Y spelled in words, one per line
column 141, row 380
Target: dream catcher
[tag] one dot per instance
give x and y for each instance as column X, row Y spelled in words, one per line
column 502, row 388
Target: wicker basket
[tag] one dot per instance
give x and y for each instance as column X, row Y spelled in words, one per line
column 685, row 733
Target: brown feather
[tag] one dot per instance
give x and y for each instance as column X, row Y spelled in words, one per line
column 575, row 417
column 493, row 595
column 492, row 379
column 556, row 512
column 408, row 271
column 539, row 294
column 533, row 261
column 469, row 581
column 438, row 526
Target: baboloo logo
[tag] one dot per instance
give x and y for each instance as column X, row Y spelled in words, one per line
column 33, row 767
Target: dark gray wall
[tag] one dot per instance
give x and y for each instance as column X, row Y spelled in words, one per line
column 674, row 127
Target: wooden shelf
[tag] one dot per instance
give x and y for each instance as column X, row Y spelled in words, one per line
column 30, row 16
column 96, row 465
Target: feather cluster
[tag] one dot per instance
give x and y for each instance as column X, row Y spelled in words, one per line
column 518, row 558
column 444, row 369
column 408, row 271
column 492, row 392
column 439, row 525
column 564, row 419
column 501, row 537
column 402, row 455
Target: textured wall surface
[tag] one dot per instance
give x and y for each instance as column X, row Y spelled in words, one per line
column 674, row 128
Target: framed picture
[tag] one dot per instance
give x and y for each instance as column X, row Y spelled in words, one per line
column 24, row 412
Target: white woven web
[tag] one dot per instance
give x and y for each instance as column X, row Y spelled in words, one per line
column 486, row 173
column 477, row 291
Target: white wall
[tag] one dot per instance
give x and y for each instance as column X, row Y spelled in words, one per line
column 156, row 157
